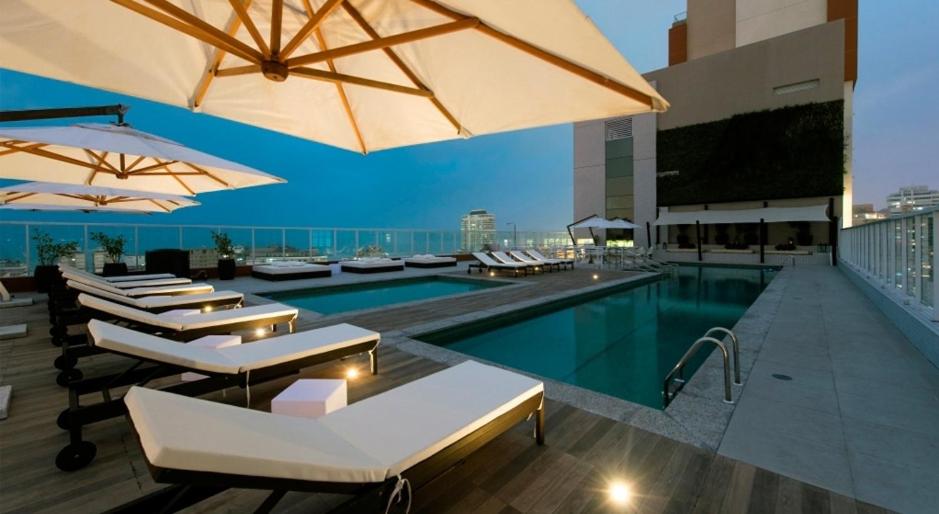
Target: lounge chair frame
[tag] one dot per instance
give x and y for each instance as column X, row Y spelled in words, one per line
column 76, row 347
column 191, row 487
column 78, row 453
column 398, row 266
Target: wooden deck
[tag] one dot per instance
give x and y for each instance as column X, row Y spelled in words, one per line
column 511, row 474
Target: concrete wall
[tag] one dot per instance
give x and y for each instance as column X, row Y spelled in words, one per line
column 758, row 20
column 644, row 174
column 743, row 79
column 589, row 170
column 711, row 26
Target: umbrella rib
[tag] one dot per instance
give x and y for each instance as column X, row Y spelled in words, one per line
column 228, row 43
column 309, row 27
column 166, row 166
column 135, row 163
column 154, row 202
column 158, row 165
column 98, row 165
column 13, row 198
column 372, row 33
column 238, row 70
column 50, row 155
column 15, row 149
column 102, row 160
column 277, row 18
column 329, row 76
column 203, row 86
column 242, row 12
column 206, row 173
column 385, row 42
column 544, row 55
column 339, row 87
column 220, row 36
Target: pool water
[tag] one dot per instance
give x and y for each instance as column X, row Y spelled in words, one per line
column 332, row 300
column 624, row 343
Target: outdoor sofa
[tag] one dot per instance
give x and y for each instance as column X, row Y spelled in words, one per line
column 289, row 270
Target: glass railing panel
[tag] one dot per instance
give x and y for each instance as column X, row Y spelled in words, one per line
column 268, row 244
column 435, row 242
column 346, row 243
column 298, row 243
column 928, row 252
column 98, row 256
column 322, row 248
column 14, row 247
column 156, row 238
column 61, row 234
column 368, row 244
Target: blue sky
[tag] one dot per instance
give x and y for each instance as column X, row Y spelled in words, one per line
column 524, row 177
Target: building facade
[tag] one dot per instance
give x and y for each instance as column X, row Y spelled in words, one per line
column 760, row 93
column 477, row 229
column 911, row 199
column 865, row 213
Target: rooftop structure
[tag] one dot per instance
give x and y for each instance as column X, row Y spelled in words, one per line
column 912, row 199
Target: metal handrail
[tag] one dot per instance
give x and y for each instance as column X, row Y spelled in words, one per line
column 678, row 369
column 736, row 347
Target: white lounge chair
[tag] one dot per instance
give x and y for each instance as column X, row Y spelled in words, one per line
column 179, row 324
column 239, row 365
column 538, row 255
column 140, row 288
column 7, row 300
column 534, row 262
column 487, row 262
column 126, row 281
column 371, row 265
column 426, row 427
column 429, row 261
column 505, row 259
column 161, row 303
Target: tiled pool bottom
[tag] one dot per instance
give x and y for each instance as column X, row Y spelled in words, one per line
column 369, row 295
column 622, row 343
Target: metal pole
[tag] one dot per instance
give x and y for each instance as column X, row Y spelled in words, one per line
column 26, row 247
column 697, row 229
column 136, row 247
column 309, row 243
column 335, row 244
column 68, row 112
column 85, row 249
column 254, row 255
column 283, row 242
column 762, row 241
column 648, row 235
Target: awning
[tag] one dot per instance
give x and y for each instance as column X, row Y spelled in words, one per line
column 767, row 214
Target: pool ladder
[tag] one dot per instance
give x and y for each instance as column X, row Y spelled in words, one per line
column 676, row 375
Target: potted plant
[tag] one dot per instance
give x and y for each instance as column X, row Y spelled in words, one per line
column 226, row 255
column 49, row 252
column 114, row 248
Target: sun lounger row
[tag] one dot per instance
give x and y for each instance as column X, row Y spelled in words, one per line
column 529, row 261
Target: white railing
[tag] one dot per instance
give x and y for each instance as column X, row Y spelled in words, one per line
column 252, row 243
column 899, row 255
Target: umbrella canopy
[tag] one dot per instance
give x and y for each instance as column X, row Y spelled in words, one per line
column 598, row 222
column 58, row 197
column 118, row 156
column 355, row 74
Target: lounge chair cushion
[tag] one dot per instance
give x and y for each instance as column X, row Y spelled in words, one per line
column 182, row 323
column 489, row 261
column 84, row 276
column 232, row 359
column 155, row 301
column 372, row 263
column 429, row 259
column 288, row 267
column 416, row 421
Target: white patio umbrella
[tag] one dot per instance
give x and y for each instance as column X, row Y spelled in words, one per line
column 355, row 74
column 118, row 156
column 599, row 222
column 43, row 196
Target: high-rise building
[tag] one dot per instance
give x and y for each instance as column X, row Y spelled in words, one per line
column 477, row 229
column 913, row 198
column 761, row 94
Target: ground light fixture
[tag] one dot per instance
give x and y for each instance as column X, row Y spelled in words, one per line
column 595, row 276
column 259, row 332
column 352, row 373
column 207, row 308
column 619, row 493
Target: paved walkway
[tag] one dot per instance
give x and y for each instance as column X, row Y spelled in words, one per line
column 839, row 398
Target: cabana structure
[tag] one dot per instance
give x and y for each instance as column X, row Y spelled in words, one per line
column 762, row 217
column 597, row 222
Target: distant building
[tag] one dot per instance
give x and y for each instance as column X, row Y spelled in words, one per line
column 865, row 213
column 913, row 198
column 477, row 228
column 761, row 116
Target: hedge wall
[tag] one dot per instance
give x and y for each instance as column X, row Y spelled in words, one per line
column 791, row 152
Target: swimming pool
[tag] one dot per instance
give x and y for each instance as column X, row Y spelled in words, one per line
column 622, row 343
column 352, row 297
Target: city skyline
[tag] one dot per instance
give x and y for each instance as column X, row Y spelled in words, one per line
column 337, row 188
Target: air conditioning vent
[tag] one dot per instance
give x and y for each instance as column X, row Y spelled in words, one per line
column 619, row 129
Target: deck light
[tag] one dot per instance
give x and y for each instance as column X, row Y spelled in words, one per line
column 259, row 332
column 595, row 276
column 352, row 373
column 492, row 273
column 619, row 493
column 207, row 308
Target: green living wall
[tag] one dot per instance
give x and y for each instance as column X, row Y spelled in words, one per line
column 792, row 152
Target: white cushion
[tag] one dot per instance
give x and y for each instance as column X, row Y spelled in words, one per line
column 232, row 359
column 373, row 263
column 429, row 259
column 281, row 268
column 368, row 441
column 156, row 301
column 182, row 323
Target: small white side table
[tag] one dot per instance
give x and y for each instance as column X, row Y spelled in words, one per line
column 310, row 398
column 209, row 342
